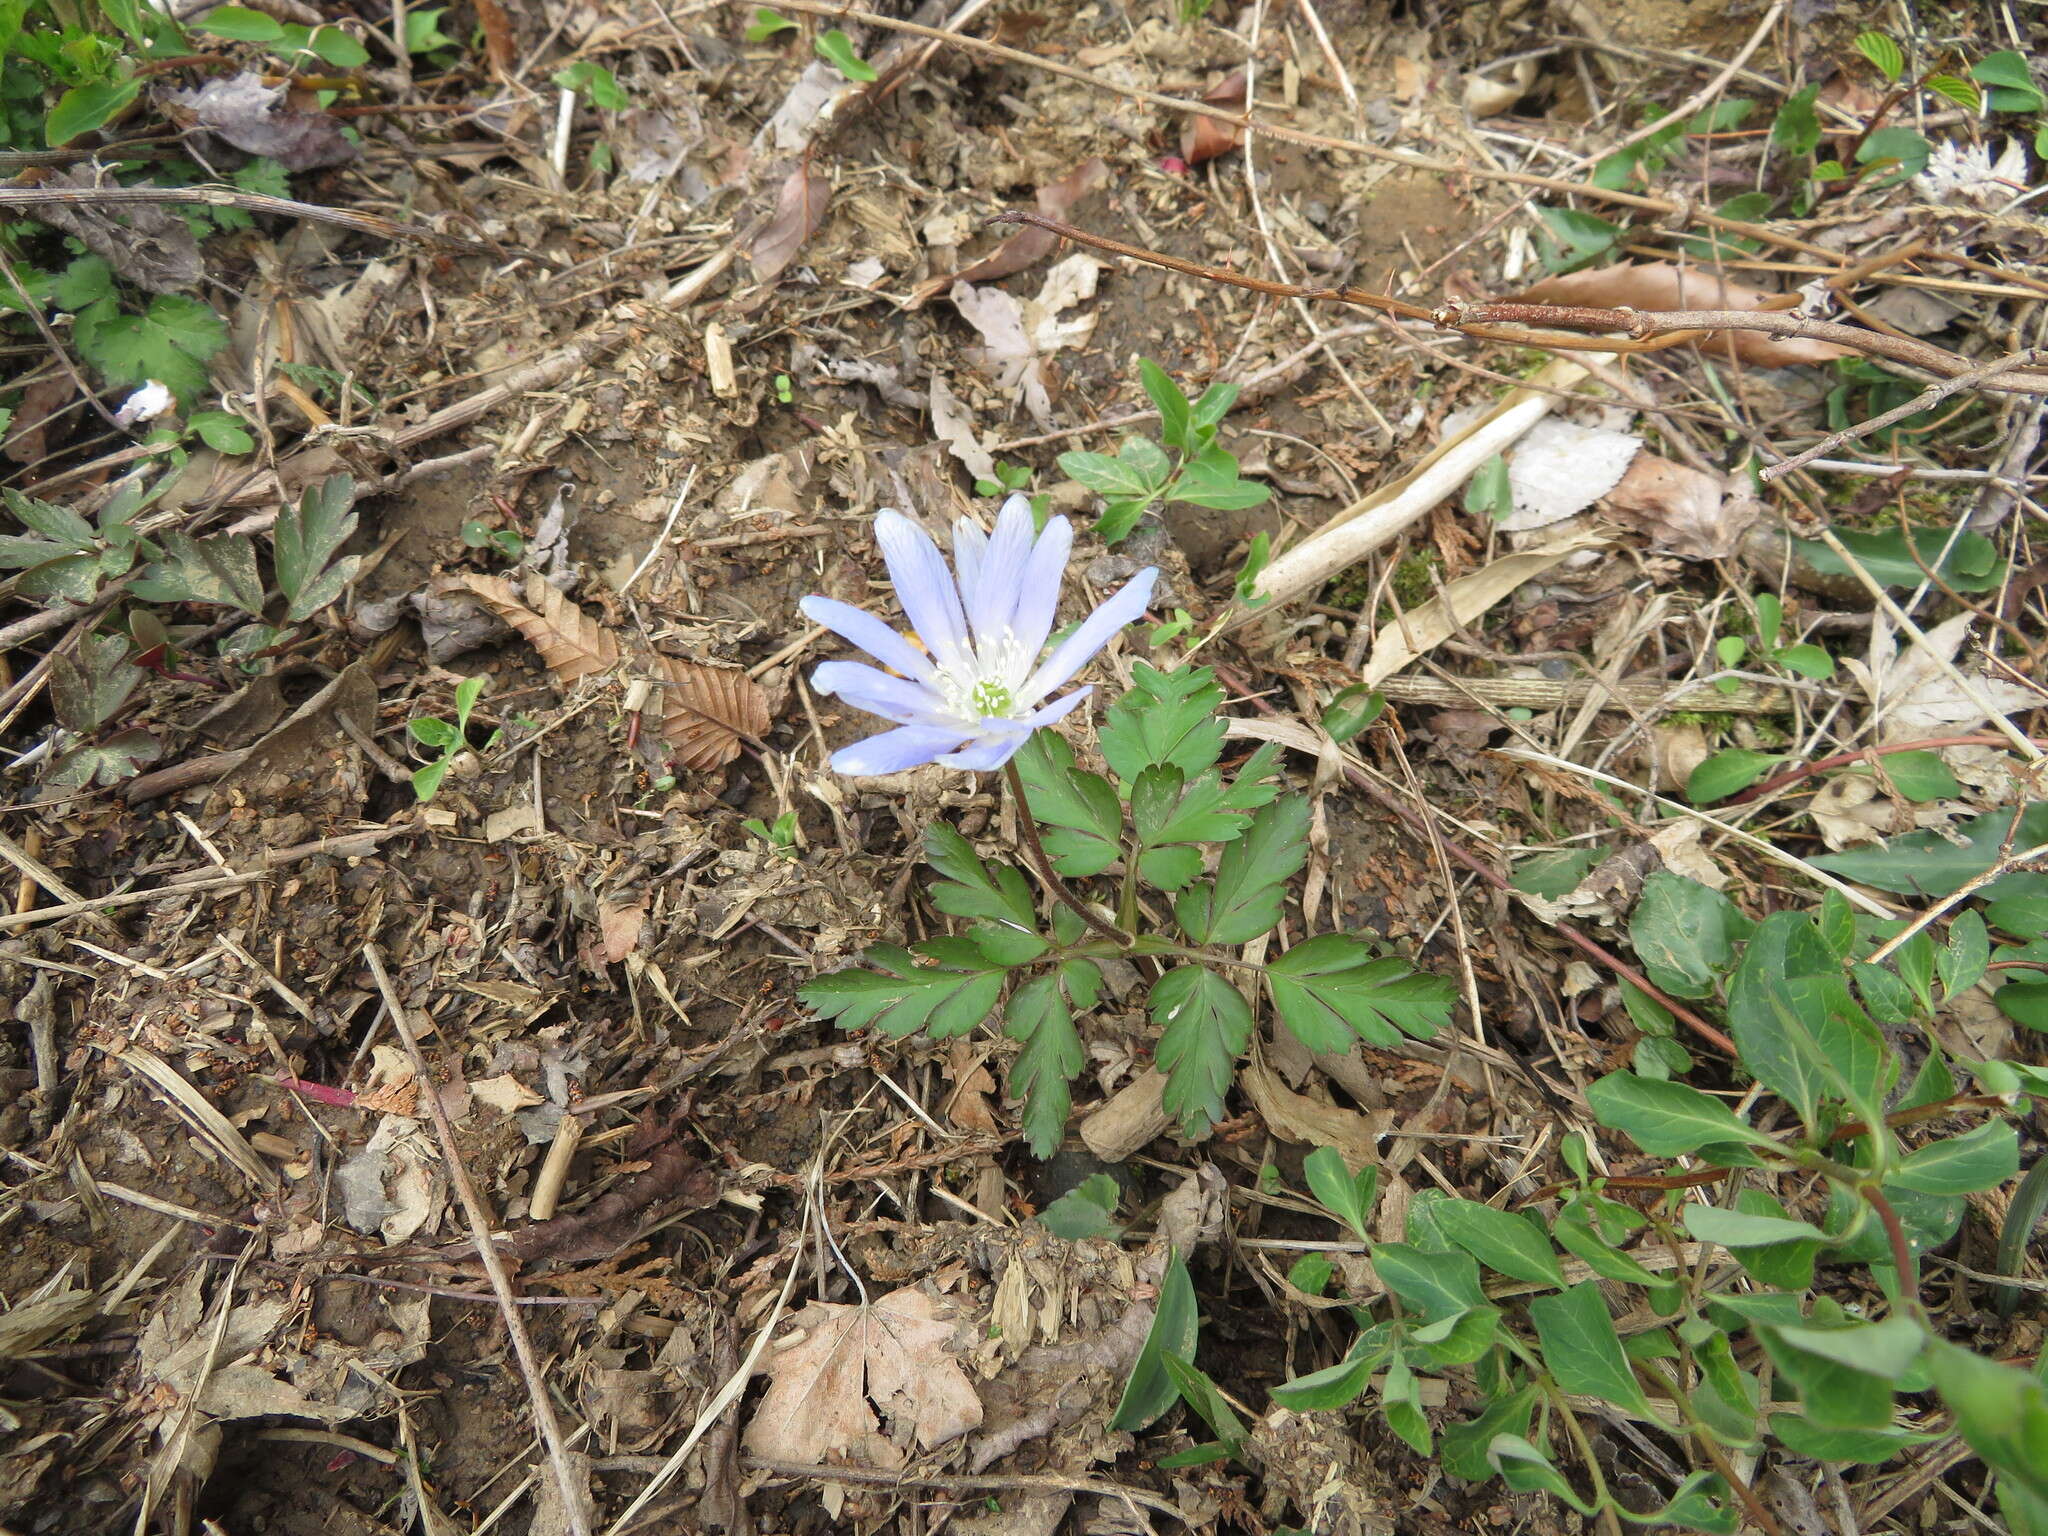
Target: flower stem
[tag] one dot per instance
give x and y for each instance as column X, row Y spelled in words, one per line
column 1043, row 865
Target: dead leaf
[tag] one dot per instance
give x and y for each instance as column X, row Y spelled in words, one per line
column 1030, row 245
column 706, row 712
column 800, row 205
column 149, row 245
column 620, row 922
column 1560, row 468
column 1403, row 639
column 1206, row 137
column 860, row 1384
column 1020, row 336
column 955, row 428
column 505, row 1093
column 256, row 119
column 1916, row 695
column 393, row 1186
column 1297, row 1117
column 968, row 1106
column 1663, row 285
column 1678, row 845
column 27, row 434
column 573, row 644
column 1685, row 511
column 1848, row 810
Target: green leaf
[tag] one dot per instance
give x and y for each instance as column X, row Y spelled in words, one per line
column 1796, row 128
column 190, row 326
column 1463, row 1446
column 1335, row 1386
column 304, row 543
column 1900, row 147
column 1346, row 1195
column 1967, row 955
column 1963, row 1165
column 84, row 108
column 222, row 432
column 1086, row 1210
column 1884, row 54
column 2012, row 82
column 1555, row 874
column 429, row 731
column 88, row 687
column 1080, row 807
column 1172, row 405
column 1865, row 1447
column 1351, row 711
column 1052, row 1056
column 1508, row 1244
column 1685, row 933
column 1200, row 1394
column 423, row 32
column 334, row 46
column 1578, row 238
column 1329, row 989
column 1205, row 1022
column 1435, row 1286
column 2024, row 1003
column 1921, row 776
column 96, row 764
column 85, row 281
column 1728, row 772
column 1581, row 1348
column 65, row 528
column 426, row 780
column 1972, row 564
column 1244, row 899
column 1929, row 864
column 2021, row 906
column 1211, row 480
column 901, row 996
column 766, row 24
column 1577, row 1233
column 1488, row 493
column 1743, row 1229
column 1119, row 517
column 836, row 49
column 1831, row 1393
column 241, row 25
column 1963, row 93
column 1107, row 475
column 2002, row 1412
column 1175, row 1325
column 1164, row 717
column 1667, row 1119
column 1808, row 661
column 1781, row 1263
column 1166, row 812
column 1210, row 409
column 971, row 890
column 1789, row 1008
column 218, row 569
column 602, row 86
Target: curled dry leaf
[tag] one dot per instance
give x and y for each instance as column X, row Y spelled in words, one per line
column 1663, row 285
column 706, row 712
column 1205, row 138
column 800, row 204
column 861, row 1383
column 573, row 644
column 1684, row 510
column 257, row 119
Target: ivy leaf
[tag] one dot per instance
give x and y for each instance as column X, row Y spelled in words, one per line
column 304, row 543
column 100, row 763
column 220, row 569
column 1079, row 806
column 1243, row 901
column 1164, row 717
column 88, row 688
column 1330, row 989
column 901, row 996
column 1052, row 1056
column 1205, row 1022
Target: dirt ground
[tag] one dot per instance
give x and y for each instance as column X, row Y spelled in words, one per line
column 698, row 426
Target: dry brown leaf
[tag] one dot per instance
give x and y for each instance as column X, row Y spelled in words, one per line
column 573, row 644
column 1206, row 137
column 1685, row 511
column 1029, row 245
column 1297, row 1117
column 1427, row 626
column 800, row 205
column 706, row 712
column 850, row 1372
column 1663, row 285
column 620, row 923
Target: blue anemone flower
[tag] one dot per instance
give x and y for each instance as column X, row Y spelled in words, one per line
column 971, row 697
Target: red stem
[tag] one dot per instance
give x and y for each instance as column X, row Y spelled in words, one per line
column 1843, row 759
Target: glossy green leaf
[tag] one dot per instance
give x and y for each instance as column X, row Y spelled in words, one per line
column 1963, row 1165
column 1504, row 1242
column 1346, row 1195
column 1204, row 1024
column 1667, row 1119
column 1728, row 772
column 1175, row 1324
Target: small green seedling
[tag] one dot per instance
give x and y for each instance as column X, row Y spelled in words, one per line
column 766, row 24
column 836, row 49
column 779, row 835
column 784, row 391
column 1489, row 491
column 478, row 534
column 445, row 738
column 1011, row 479
column 1807, row 661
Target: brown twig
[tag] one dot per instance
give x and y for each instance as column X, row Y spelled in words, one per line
column 1931, row 396
column 479, row 1217
column 1778, row 781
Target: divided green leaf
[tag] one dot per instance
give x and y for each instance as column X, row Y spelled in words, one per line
column 1205, row 1023
column 304, row 544
column 1329, row 989
column 957, row 991
column 1244, row 899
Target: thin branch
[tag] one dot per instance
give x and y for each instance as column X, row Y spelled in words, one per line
column 479, row 1216
column 1931, row 396
column 1043, row 865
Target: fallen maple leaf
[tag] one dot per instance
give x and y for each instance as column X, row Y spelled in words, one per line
column 859, row 1383
column 706, row 712
column 1660, row 285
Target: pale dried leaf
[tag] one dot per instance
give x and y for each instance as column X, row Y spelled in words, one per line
column 1296, row 1117
column 952, row 425
column 1678, row 845
column 573, row 644
column 620, row 923
column 1848, row 810
column 1421, row 629
column 1020, row 336
column 862, row 1383
column 505, row 1093
column 706, row 712
column 1685, row 512
column 1913, row 688
column 1661, row 285
column 1029, row 245
column 1560, row 467
column 257, row 119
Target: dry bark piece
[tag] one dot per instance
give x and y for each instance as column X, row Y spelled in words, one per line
column 706, row 712
column 573, row 644
column 1662, row 285
column 832, row 1386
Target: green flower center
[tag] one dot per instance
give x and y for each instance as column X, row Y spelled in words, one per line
column 990, row 698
